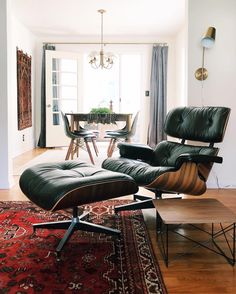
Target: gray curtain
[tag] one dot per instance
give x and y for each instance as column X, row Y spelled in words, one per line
column 158, row 89
column 42, row 137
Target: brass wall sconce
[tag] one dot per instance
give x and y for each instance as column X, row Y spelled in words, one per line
column 207, row 41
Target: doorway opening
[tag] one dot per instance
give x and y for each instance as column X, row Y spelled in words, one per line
column 74, row 86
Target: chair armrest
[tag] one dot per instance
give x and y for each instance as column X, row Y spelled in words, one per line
column 136, row 151
column 197, row 158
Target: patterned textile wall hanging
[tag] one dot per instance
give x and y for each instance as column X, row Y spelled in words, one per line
column 24, row 90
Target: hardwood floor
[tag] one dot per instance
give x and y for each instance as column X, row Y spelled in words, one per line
column 15, row 193
column 198, row 271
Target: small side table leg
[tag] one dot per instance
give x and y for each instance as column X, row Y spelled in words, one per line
column 158, row 222
column 167, row 246
column 233, row 243
column 163, row 241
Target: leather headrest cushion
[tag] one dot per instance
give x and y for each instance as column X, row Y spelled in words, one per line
column 205, row 124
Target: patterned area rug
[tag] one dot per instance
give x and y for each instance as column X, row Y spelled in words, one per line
column 90, row 263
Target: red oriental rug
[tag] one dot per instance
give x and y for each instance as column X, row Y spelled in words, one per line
column 91, row 263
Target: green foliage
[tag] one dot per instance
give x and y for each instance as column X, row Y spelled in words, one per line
column 100, row 110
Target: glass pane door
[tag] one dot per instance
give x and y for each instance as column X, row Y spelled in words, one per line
column 61, row 93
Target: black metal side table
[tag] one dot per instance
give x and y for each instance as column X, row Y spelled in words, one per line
column 194, row 212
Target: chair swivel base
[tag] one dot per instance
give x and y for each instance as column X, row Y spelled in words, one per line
column 135, row 205
column 76, row 223
column 142, row 202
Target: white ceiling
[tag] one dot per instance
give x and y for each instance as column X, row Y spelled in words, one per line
column 80, row 17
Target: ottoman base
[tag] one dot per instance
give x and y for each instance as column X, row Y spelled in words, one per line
column 75, row 224
column 70, row 184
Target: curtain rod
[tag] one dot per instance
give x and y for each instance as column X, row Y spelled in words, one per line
column 105, row 43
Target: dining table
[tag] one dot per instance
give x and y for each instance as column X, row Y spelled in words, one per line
column 99, row 118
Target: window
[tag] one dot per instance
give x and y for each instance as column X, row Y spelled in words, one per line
column 101, row 86
column 120, row 84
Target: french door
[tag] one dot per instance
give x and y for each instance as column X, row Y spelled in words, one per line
column 62, row 90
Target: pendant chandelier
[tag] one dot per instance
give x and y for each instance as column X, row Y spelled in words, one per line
column 101, row 59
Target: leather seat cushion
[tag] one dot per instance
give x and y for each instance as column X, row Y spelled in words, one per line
column 143, row 173
column 163, row 160
column 66, row 184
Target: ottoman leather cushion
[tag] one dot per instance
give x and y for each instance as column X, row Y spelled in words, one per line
column 60, row 185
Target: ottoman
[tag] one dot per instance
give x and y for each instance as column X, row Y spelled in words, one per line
column 69, row 184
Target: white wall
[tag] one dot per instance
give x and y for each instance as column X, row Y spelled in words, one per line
column 12, row 34
column 22, row 38
column 220, row 87
column 6, row 179
column 180, row 69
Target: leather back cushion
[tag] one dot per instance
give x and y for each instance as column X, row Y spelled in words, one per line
column 166, row 152
column 205, row 124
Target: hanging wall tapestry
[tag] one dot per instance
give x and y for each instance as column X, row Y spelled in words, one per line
column 24, row 90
